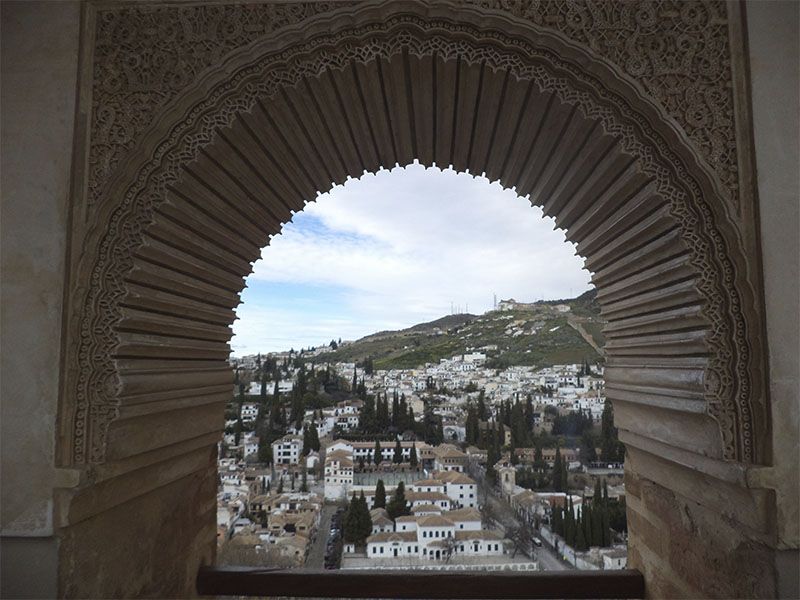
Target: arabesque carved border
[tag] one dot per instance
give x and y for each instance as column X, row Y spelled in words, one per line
column 147, row 54
column 371, row 33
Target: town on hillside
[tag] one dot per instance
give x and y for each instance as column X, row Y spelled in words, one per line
column 457, row 464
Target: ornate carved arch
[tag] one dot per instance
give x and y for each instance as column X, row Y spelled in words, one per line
column 128, row 206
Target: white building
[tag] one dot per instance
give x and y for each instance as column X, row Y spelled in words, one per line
column 338, row 474
column 286, row 450
column 461, row 489
column 437, row 537
column 250, row 445
column 249, row 412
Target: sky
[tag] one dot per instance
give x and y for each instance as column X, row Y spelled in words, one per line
column 396, row 248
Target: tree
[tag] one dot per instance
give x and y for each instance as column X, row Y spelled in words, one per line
column 378, row 455
column 521, row 536
column 380, row 495
column 350, row 529
column 398, row 452
column 398, row 507
column 280, row 485
column 413, row 459
column 580, row 538
column 529, row 412
column 597, row 525
column 586, row 522
column 263, row 395
column 569, row 523
column 304, row 479
column 482, row 414
column 538, row 459
column 558, row 472
column 357, row 523
column 313, row 438
column 612, row 450
column 264, row 451
column 237, row 431
column 472, row 427
column 558, row 521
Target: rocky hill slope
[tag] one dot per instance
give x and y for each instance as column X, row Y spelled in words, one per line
column 537, row 334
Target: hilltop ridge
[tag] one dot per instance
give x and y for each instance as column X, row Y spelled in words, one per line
column 537, row 334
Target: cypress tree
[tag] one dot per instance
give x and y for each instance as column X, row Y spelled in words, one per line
column 605, row 526
column 586, row 516
column 569, row 523
column 364, row 520
column 263, row 395
column 397, row 507
column 558, row 482
column 558, row 521
column 413, row 459
column 349, row 524
column 398, row 452
column 378, row 457
column 482, row 406
column 314, row 438
column 395, row 409
column 597, row 525
column 380, row 495
column 304, row 480
column 580, row 538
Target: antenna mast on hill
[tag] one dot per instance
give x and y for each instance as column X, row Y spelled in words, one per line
column 495, row 302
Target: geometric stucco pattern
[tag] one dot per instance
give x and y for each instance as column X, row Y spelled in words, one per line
column 678, row 50
column 723, row 310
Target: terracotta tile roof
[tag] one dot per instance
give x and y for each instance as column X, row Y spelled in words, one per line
column 429, row 482
column 463, row 514
column 420, row 508
column 393, row 536
column 482, row 534
column 434, row 521
column 426, row 496
column 406, row 519
column 454, row 477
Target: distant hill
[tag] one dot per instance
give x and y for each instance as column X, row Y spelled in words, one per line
column 537, row 335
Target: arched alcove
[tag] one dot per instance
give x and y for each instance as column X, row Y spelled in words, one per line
column 223, row 166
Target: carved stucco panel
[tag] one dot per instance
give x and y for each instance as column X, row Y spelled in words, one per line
column 728, row 392
column 145, row 55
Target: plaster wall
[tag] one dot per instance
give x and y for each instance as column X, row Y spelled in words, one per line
column 775, row 79
column 40, row 43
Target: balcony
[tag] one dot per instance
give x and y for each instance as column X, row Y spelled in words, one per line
column 307, row 583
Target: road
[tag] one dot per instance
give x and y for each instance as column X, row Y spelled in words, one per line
column 316, row 556
column 504, row 517
column 548, row 561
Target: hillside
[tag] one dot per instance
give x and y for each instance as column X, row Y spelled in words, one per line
column 535, row 334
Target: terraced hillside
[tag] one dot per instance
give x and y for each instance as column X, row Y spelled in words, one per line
column 538, row 335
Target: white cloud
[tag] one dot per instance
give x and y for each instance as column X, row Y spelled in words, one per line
column 399, row 246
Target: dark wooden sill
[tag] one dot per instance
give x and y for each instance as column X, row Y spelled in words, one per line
column 308, row 583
